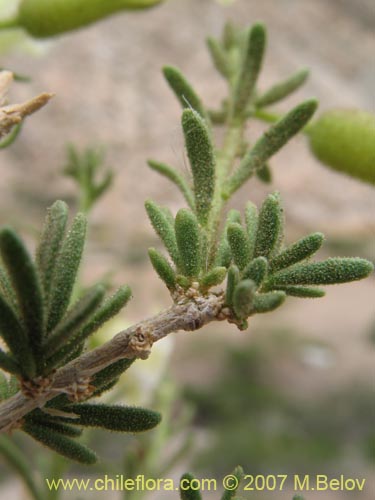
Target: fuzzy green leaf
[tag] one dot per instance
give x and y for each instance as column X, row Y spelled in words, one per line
column 271, row 141
column 301, row 250
column 251, row 219
column 172, row 174
column 106, row 311
column 256, row 270
column 282, row 89
column 6, row 289
column 232, row 281
column 183, row 90
column 202, row 161
column 328, row 272
column 188, row 242
column 243, row 297
column 61, row 444
column 266, row 302
column 110, row 373
column 65, row 271
column 224, row 255
column 238, row 473
column 17, row 340
column 239, row 245
column 302, row 291
column 251, row 66
column 75, row 317
column 188, row 491
column 163, row 228
column 213, row 277
column 114, row 417
column 163, row 268
column 49, row 423
column 25, row 281
column 50, row 243
column 219, row 57
column 270, row 227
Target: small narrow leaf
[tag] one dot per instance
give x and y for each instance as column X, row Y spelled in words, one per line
column 61, row 444
column 111, row 372
column 183, row 90
column 271, row 141
column 17, row 340
column 188, row 242
column 328, row 272
column 50, row 243
column 55, row 426
column 8, row 364
column 251, row 219
column 302, row 291
column 243, row 297
column 65, row 271
column 239, row 245
column 232, row 281
column 219, row 57
column 188, row 488
column 256, row 270
column 6, row 289
column 74, row 319
column 163, row 268
column 114, row 417
column 301, row 250
column 25, row 281
column 161, row 224
column 282, row 89
column 250, row 69
column 213, row 277
column 270, row 227
column 202, row 161
column 238, row 473
column 172, row 174
column 266, row 302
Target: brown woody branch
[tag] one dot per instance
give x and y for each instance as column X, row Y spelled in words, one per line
column 134, row 342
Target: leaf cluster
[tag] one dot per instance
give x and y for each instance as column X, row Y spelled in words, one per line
column 43, row 331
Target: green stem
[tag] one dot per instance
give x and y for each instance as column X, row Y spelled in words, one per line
column 226, row 158
column 15, row 458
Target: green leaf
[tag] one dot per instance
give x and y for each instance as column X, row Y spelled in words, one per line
column 238, row 473
column 232, row 281
column 251, row 219
column 17, row 340
column 301, row 250
column 328, row 272
column 26, row 284
column 239, row 245
column 163, row 229
column 50, row 243
column 270, row 227
column 264, row 174
column 114, row 417
column 110, row 373
column 213, row 277
column 172, row 174
column 282, row 89
column 302, row 291
column 251, row 66
column 110, row 307
column 344, row 140
column 163, row 268
column 243, row 297
column 6, row 289
column 183, row 90
column 188, row 242
column 8, row 364
column 48, row 423
column 256, row 270
column 188, row 487
column 202, row 161
column 65, row 271
column 219, row 57
column 61, row 444
column 271, row 141
column 75, row 317
column 266, row 302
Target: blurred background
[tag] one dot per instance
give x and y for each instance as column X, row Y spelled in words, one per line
column 295, row 392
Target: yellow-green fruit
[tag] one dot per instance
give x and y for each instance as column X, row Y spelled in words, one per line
column 45, row 18
column 345, row 141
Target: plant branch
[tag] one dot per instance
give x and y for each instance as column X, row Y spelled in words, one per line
column 134, row 342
